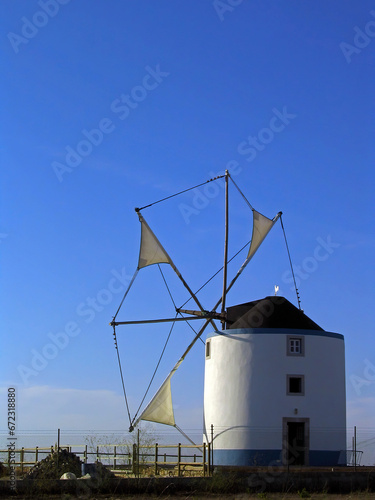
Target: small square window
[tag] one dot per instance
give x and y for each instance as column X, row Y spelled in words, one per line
column 208, row 349
column 295, row 385
column 295, row 346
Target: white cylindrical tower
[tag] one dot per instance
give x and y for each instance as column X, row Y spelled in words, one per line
column 274, row 388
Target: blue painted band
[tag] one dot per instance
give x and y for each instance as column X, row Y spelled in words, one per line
column 273, row 458
column 247, row 457
column 273, row 331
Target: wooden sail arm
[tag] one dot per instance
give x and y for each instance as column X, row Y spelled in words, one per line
column 225, row 267
column 162, row 320
column 203, row 314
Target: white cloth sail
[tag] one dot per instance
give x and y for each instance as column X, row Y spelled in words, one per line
column 261, row 227
column 160, row 408
column 151, row 251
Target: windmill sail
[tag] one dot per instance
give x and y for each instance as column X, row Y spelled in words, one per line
column 160, row 408
column 151, row 250
column 261, row 227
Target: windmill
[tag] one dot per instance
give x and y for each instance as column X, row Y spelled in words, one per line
column 241, row 321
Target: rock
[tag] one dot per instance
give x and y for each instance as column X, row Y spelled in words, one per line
column 86, row 476
column 68, row 475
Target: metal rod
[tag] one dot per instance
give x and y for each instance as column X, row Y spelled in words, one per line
column 225, row 251
column 355, row 447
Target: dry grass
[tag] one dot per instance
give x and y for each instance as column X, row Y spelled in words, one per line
column 192, row 496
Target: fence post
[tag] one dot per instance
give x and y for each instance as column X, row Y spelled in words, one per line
column 22, row 455
column 114, row 456
column 85, row 454
column 58, row 449
column 138, row 448
column 156, row 459
column 204, row 459
column 179, row 460
column 212, row 449
column 36, row 455
column 209, row 464
column 134, row 458
column 97, row 453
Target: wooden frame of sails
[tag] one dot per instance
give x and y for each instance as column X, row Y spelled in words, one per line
column 160, row 408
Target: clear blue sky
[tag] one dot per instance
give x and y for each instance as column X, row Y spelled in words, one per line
column 177, row 90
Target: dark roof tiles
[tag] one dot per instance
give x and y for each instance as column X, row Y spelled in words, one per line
column 270, row 312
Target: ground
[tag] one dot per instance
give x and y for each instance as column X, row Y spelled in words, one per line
column 191, row 496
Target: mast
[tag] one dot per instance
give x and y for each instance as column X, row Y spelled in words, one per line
column 225, row 252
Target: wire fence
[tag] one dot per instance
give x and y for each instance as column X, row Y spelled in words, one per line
column 93, row 445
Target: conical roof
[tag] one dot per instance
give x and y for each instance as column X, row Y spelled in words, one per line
column 270, row 312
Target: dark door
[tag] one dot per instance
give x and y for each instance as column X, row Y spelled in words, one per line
column 296, row 443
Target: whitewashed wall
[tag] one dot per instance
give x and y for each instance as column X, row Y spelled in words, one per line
column 245, row 390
